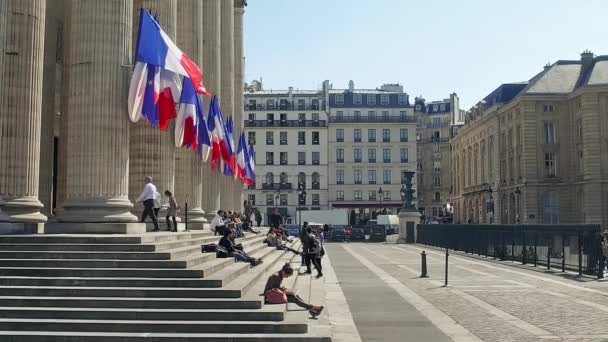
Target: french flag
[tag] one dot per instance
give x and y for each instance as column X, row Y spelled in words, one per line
column 187, row 123
column 251, row 162
column 154, row 47
column 220, row 146
column 229, row 169
column 243, row 171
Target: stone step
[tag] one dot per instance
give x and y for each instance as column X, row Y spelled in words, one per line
column 217, row 264
column 32, row 254
column 78, row 247
column 99, row 272
column 111, row 282
column 153, row 292
column 266, row 314
column 100, row 238
column 92, row 263
column 136, row 303
column 63, row 336
column 151, row 326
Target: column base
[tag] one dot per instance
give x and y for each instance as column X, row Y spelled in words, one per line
column 15, row 228
column 210, row 215
column 94, row 228
column 102, row 210
column 408, row 226
column 196, row 215
column 162, row 225
column 24, row 210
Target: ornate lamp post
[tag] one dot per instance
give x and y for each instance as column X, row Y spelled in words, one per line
column 381, row 197
column 407, row 193
column 517, row 199
column 301, row 198
column 490, row 204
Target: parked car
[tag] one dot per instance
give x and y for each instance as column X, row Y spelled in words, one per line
column 358, row 234
column 338, row 234
column 293, row 230
column 378, row 234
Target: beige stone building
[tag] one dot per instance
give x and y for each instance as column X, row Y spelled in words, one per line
column 537, row 151
column 68, row 152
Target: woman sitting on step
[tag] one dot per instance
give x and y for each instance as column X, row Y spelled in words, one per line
column 274, row 293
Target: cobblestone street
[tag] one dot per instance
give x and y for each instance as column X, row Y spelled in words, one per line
column 485, row 301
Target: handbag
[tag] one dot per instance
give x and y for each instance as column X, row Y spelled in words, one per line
column 276, row 296
column 209, row 248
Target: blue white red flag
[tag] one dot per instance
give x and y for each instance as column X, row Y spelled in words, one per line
column 190, row 126
column 243, row 171
column 220, row 147
column 229, row 169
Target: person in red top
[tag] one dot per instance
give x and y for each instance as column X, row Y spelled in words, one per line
column 274, row 284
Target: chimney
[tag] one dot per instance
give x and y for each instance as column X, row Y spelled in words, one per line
column 351, row 86
column 586, row 59
column 547, row 66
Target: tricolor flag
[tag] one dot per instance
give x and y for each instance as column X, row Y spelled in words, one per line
column 243, row 171
column 251, row 162
column 187, row 123
column 229, row 169
column 220, row 146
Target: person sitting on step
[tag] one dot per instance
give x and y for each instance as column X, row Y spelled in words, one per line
column 227, row 243
column 274, row 240
column 275, row 293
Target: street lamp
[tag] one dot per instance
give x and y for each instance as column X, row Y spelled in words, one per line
column 301, row 198
column 517, row 196
column 490, row 204
column 381, row 197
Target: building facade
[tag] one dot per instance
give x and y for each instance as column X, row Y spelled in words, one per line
column 289, row 132
column 536, row 152
column 433, row 133
column 67, row 148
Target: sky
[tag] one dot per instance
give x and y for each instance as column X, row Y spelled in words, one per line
column 432, row 47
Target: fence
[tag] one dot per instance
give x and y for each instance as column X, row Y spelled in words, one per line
column 566, row 247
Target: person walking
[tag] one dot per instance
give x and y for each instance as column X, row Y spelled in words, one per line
column 258, row 217
column 172, row 212
column 275, row 219
column 318, row 252
column 147, row 197
column 275, row 293
column 157, row 203
column 311, row 252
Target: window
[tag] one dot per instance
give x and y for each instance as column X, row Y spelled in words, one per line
column 357, row 134
column 339, row 176
column 384, row 99
column 251, row 138
column 340, row 99
column 339, row 115
column 436, row 149
column 283, row 199
column 283, row 158
column 371, row 195
column 339, row 195
column 550, row 164
column 551, row 207
column 386, row 176
column 315, row 138
column 357, row 175
column 371, row 99
column 371, row 115
column 358, row 195
column 314, row 104
column 386, row 195
column 436, row 136
column 252, row 116
column 269, row 158
column 315, row 199
column 339, row 155
column 316, row 156
column 385, row 115
column 436, row 166
column 442, row 107
column 315, row 117
column 283, row 177
column 357, row 155
column 436, row 122
column 403, row 153
column 371, row 155
column 302, row 180
column 316, row 180
column 402, row 99
column 269, row 138
column 371, row 135
column 270, row 117
column 371, row 176
column 418, row 107
column 357, row 115
column 340, row 135
column 386, row 135
column 301, row 158
column 283, row 138
column 283, row 118
column 547, row 108
column 402, row 115
column 301, row 138
column 269, row 199
column 357, row 99
column 438, row 197
column 269, row 178
column 301, row 104
column 302, row 200
column 403, row 134
column 251, row 199
column 437, row 181
column 386, row 155
column 550, row 137
column 301, row 118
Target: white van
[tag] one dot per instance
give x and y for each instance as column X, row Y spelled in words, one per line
column 389, row 221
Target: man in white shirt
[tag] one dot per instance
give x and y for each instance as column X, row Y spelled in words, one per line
column 147, row 197
column 217, row 222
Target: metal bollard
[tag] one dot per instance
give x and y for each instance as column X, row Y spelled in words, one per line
column 446, row 266
column 186, row 217
column 424, row 273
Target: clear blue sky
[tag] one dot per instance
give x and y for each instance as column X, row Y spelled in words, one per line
column 432, row 47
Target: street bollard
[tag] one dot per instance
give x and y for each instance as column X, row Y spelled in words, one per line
column 424, row 274
column 186, row 217
column 446, row 267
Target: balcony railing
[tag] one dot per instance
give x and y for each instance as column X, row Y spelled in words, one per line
column 301, row 162
column 339, row 139
column 387, row 160
column 371, row 160
column 404, row 160
column 276, row 186
column 316, row 186
column 284, row 106
column 371, row 182
column 358, row 160
column 357, row 139
column 348, row 119
column 285, row 123
column 315, row 162
column 340, row 160
column 402, row 139
column 434, row 140
column 386, row 139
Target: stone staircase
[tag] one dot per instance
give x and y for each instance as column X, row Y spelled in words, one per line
column 132, row 288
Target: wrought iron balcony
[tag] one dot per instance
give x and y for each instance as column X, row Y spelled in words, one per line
column 379, row 119
column 276, row 186
column 285, row 123
column 283, row 106
column 316, row 186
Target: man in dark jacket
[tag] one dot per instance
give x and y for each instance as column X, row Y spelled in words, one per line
column 309, row 245
column 275, row 219
column 227, row 242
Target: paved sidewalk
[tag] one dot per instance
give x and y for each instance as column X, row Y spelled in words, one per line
column 485, row 301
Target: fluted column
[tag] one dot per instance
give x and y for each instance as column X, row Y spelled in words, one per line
column 97, row 134
column 152, row 152
column 227, row 85
column 21, row 70
column 239, row 100
column 190, row 40
column 212, row 74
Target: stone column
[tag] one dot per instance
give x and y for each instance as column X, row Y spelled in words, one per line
column 227, row 85
column 239, row 97
column 21, row 71
column 212, row 76
column 190, row 39
column 97, row 134
column 152, row 152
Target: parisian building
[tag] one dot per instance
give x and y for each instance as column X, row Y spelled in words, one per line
column 68, row 151
column 536, row 151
